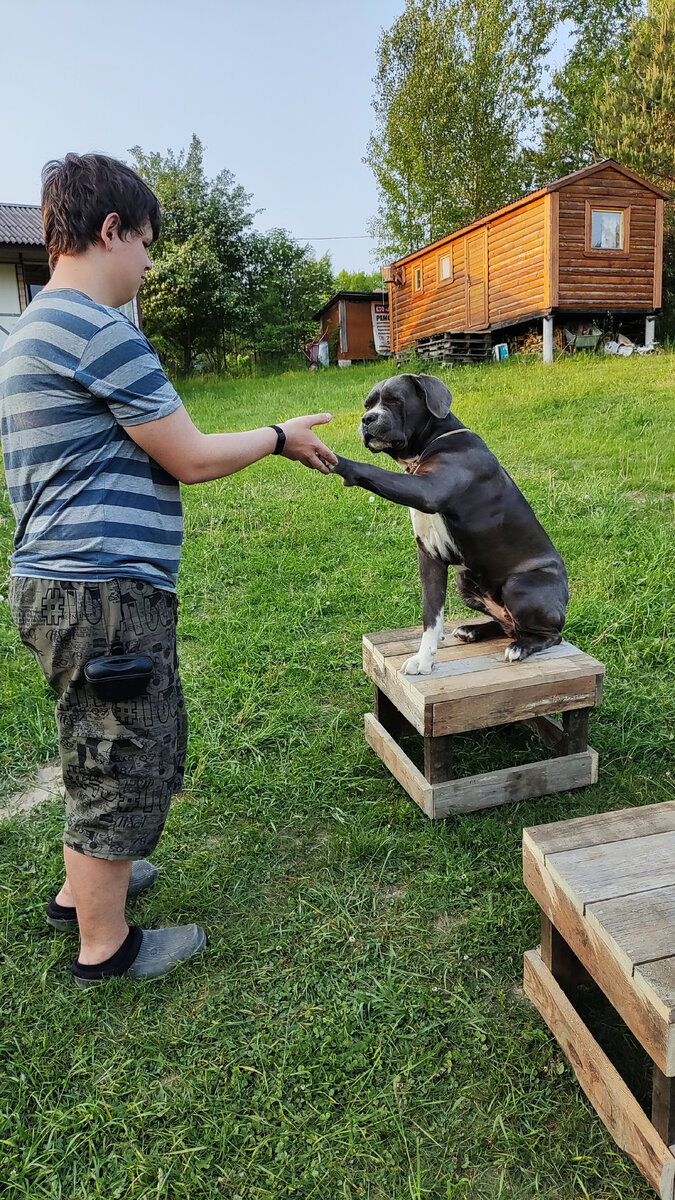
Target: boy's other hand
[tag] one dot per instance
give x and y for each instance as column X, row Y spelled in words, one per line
column 304, row 446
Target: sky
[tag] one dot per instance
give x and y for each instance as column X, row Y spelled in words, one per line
column 278, row 91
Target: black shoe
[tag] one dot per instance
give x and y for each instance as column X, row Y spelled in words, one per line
column 143, row 875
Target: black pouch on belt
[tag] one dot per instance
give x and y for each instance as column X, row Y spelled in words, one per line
column 119, row 676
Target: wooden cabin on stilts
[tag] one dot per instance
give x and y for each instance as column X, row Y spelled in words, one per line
column 588, row 246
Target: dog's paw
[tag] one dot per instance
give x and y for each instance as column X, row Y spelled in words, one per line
column 467, row 633
column 418, row 665
column 517, row 651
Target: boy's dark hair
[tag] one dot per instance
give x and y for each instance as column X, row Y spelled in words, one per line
column 78, row 194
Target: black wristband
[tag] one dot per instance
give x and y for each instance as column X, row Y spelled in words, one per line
column 281, row 439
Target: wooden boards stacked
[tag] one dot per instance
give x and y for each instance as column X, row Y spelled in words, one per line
column 471, row 687
column 606, row 889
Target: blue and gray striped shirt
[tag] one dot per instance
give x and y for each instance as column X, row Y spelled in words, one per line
column 88, row 502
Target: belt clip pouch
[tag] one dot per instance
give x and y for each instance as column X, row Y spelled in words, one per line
column 119, row 676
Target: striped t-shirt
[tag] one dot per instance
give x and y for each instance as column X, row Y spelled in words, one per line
column 88, row 502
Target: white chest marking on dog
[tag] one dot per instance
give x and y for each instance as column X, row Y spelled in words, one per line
column 432, row 532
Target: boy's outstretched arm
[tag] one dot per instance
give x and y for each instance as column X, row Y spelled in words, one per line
column 195, row 457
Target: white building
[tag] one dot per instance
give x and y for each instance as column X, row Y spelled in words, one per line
column 24, row 266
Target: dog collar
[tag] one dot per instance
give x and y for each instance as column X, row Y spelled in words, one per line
column 417, row 462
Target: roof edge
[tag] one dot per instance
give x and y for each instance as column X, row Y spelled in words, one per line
column 382, row 293
column 555, row 186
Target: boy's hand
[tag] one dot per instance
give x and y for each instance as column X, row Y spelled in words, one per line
column 304, row 446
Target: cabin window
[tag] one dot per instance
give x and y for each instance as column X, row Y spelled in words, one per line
column 607, row 228
column 418, row 279
column 445, row 267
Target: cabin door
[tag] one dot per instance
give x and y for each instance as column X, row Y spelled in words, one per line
column 476, row 279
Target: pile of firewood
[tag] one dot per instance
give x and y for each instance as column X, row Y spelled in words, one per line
column 532, row 342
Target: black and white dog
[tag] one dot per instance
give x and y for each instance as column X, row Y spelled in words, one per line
column 466, row 512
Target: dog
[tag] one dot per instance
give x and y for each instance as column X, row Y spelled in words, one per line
column 467, row 513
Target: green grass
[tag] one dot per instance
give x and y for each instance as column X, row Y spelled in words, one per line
column 356, row 1027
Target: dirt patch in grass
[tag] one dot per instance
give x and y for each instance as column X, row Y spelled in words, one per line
column 47, row 785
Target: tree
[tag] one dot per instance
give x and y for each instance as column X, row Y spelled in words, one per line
column 634, row 113
column 569, row 135
column 457, row 86
column 193, row 297
column 357, row 281
column 181, row 304
column 284, row 286
column 634, row 118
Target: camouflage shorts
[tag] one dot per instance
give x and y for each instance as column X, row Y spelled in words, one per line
column 121, row 761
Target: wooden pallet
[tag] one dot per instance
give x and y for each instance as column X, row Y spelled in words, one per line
column 472, row 687
column 464, row 347
column 606, row 889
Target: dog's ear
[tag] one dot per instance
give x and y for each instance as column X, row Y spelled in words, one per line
column 438, row 397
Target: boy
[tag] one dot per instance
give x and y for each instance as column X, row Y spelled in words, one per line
column 95, row 442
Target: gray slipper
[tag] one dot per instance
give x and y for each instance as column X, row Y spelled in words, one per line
column 143, row 875
column 159, row 953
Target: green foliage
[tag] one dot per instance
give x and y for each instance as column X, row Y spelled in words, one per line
column 634, row 118
column 457, row 84
column 218, row 288
column 284, row 285
column 191, row 297
column 356, row 1027
column 569, row 135
column 357, row 281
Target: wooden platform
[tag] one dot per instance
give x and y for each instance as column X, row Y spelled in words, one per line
column 471, row 687
column 606, row 889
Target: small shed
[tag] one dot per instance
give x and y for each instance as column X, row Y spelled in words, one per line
column 24, row 264
column 586, row 245
column 359, row 322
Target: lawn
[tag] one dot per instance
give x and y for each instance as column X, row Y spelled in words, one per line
column 356, row 1027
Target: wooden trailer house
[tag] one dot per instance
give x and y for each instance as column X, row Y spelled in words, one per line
column 359, row 323
column 584, row 246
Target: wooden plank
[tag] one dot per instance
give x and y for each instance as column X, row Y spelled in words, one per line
column 556, row 955
column 449, row 651
column 611, row 1098
column 621, row 868
column 658, row 977
column 658, row 255
column 555, row 246
column 415, row 632
column 438, row 759
column 663, row 1107
column 614, row 826
column 640, row 1006
column 483, row 671
column 560, row 959
column 502, row 707
column 516, row 783
column 451, row 674
column 401, row 767
column 410, row 703
column 642, row 925
column 575, row 726
column 547, row 249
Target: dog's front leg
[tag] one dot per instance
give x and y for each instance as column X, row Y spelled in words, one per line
column 427, row 491
column 434, row 575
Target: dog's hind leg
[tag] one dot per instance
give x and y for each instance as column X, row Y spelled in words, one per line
column 537, row 602
column 471, row 595
column 434, row 575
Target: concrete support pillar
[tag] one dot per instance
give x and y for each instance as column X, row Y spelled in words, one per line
column 548, row 339
column 650, row 326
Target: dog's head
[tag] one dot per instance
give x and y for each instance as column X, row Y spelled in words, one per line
column 399, row 410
